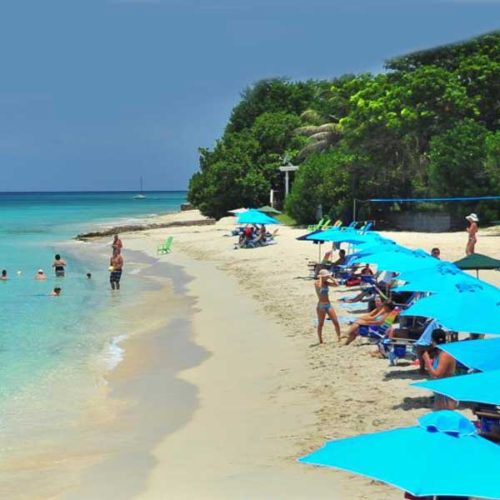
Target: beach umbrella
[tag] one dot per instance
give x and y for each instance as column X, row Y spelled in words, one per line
column 477, row 261
column 439, row 278
column 464, row 308
column 477, row 388
column 442, row 455
column 480, row 355
column 398, row 260
column 237, row 211
column 269, row 210
column 253, row 216
column 334, row 235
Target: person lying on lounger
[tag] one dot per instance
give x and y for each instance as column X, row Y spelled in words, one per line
column 375, row 318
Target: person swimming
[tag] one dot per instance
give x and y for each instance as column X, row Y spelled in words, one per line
column 40, row 275
column 59, row 266
column 4, row 276
column 56, row 292
column 324, row 306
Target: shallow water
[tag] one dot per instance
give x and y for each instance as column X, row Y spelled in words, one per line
column 54, row 351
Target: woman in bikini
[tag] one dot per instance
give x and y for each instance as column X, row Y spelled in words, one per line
column 472, row 231
column 324, row 307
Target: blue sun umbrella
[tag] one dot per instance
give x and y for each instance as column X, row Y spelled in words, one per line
column 477, row 387
column 424, row 460
column 439, row 278
column 480, row 355
column 253, row 216
column 399, row 260
column 465, row 308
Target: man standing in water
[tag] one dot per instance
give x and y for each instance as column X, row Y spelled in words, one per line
column 472, row 231
column 115, row 268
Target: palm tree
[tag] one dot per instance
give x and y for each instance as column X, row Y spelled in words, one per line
column 322, row 136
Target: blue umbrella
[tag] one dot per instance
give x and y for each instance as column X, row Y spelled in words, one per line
column 476, row 354
column 477, row 388
column 439, row 278
column 253, row 216
column 399, row 260
column 465, row 308
column 424, row 460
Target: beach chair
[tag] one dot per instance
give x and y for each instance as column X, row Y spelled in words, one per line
column 378, row 332
column 315, row 227
column 325, row 224
column 166, row 246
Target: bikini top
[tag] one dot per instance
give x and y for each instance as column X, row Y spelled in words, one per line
column 323, row 290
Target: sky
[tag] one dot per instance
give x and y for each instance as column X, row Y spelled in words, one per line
column 95, row 94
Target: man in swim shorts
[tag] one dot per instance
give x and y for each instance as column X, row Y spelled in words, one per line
column 115, row 268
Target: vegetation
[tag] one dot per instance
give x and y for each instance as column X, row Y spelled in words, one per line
column 429, row 126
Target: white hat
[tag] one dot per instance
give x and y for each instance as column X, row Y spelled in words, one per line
column 40, row 271
column 473, row 217
column 324, row 273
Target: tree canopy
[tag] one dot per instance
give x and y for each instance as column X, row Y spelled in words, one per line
column 428, row 126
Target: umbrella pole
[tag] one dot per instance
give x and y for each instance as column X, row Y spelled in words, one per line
column 477, row 273
column 319, row 253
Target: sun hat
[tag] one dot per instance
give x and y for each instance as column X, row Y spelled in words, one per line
column 324, row 272
column 40, row 271
column 473, row 217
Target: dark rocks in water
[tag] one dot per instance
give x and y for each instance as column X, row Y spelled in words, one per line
column 186, row 206
column 143, row 227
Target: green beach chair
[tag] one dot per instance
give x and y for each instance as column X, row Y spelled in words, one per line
column 314, row 227
column 166, row 246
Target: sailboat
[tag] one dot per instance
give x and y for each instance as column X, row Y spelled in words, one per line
column 141, row 195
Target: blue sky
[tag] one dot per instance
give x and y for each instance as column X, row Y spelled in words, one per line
column 96, row 93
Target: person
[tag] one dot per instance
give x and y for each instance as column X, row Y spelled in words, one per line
column 471, row 231
column 4, row 276
column 424, row 344
column 366, row 271
column 325, row 263
column 117, row 243
column 59, row 266
column 436, row 253
column 115, row 268
column 261, row 234
column 324, row 307
column 341, row 260
column 373, row 320
column 40, row 275
column 443, row 365
column 89, row 276
column 56, row 292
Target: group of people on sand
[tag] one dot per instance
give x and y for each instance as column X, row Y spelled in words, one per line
column 253, row 235
column 432, row 360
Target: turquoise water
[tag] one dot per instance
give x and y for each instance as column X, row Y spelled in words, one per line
column 45, row 340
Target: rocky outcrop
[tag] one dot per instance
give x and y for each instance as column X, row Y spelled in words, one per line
column 142, row 227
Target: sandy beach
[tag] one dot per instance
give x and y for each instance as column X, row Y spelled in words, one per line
column 253, row 391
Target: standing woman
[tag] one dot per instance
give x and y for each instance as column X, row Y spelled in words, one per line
column 324, row 307
column 472, row 231
column 59, row 266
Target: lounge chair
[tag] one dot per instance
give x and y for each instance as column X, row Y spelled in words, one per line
column 378, row 331
column 166, row 246
column 318, row 225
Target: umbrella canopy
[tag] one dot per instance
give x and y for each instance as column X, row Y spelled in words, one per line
column 481, row 355
column 269, row 210
column 424, row 460
column 477, row 388
column 439, row 278
column 237, row 211
column 399, row 259
column 465, row 308
column 336, row 235
column 310, row 236
column 478, row 261
column 253, row 216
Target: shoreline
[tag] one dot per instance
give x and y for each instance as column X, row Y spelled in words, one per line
column 220, row 402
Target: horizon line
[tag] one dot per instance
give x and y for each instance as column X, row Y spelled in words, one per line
column 93, row 192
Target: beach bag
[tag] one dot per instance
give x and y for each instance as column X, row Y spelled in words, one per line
column 353, row 281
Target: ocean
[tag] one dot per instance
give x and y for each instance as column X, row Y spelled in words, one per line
column 55, row 350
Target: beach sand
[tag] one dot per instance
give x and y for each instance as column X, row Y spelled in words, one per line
column 255, row 392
